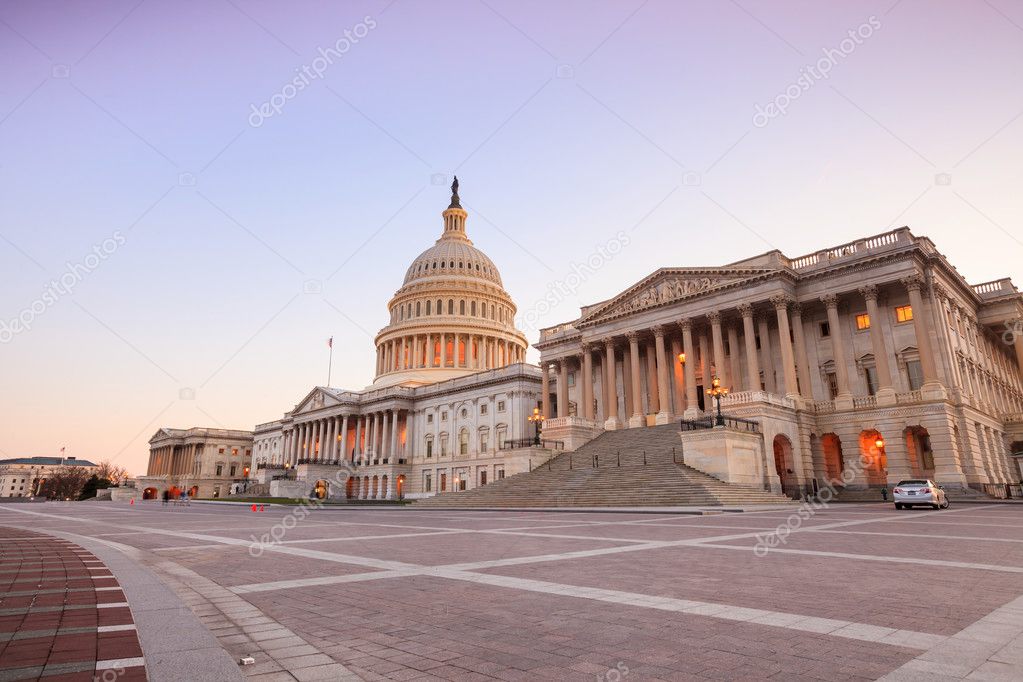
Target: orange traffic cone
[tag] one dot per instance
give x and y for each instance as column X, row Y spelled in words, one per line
column 262, row 508
column 253, row 507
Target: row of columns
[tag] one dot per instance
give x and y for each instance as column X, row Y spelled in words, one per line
column 794, row 370
column 172, row 460
column 461, row 351
column 376, row 434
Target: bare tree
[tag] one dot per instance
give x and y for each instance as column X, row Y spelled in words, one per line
column 111, row 472
column 65, row 483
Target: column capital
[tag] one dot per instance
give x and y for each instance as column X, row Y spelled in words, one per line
column 609, row 342
column 714, row 316
column 686, row 324
column 587, row 346
column 633, row 337
column 869, row 292
column 797, row 308
column 658, row 331
column 830, row 301
column 745, row 309
column 914, row 282
column 781, row 301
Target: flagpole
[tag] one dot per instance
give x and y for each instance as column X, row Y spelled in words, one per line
column 330, row 360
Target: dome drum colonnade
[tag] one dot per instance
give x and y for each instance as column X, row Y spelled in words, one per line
column 452, row 316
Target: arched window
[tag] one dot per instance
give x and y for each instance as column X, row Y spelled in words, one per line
column 429, row 445
column 461, row 307
column 472, row 308
column 463, row 442
column 451, row 306
column 440, row 307
column 417, row 308
column 428, row 307
column 493, row 312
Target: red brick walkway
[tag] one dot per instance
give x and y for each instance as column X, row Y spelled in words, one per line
column 63, row 615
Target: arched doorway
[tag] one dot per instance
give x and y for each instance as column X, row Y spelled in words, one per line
column 321, row 489
column 193, row 492
column 375, row 487
column 365, row 487
column 783, row 464
column 150, row 494
column 401, row 486
column 834, row 462
column 873, row 458
column 350, row 487
column 918, row 448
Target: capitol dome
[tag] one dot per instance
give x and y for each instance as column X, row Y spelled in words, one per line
column 451, row 317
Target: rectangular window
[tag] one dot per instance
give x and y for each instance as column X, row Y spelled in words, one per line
column 429, row 448
column 871, row 375
column 904, row 313
column 221, row 450
column 862, row 321
column 499, row 474
column 429, row 419
column 484, row 442
column 220, row 469
column 825, row 328
column 571, row 378
column 916, row 374
column 443, row 416
column 443, row 482
column 483, row 408
column 832, row 384
column 483, row 476
column 500, row 406
column 427, row 482
column 234, row 469
column 502, row 434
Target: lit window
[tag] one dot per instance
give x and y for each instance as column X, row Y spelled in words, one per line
column 863, row 321
column 904, row 313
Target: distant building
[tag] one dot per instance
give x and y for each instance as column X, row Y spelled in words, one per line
column 204, row 462
column 24, row 476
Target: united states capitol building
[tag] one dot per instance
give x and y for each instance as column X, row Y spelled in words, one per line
column 859, row 365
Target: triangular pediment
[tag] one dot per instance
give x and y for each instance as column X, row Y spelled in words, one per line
column 316, row 399
column 670, row 285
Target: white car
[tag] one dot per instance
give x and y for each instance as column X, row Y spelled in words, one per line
column 919, row 491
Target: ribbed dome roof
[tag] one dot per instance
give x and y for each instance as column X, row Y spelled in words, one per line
column 453, row 257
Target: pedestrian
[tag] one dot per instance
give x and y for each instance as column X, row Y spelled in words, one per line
column 166, row 497
column 884, row 493
column 185, row 498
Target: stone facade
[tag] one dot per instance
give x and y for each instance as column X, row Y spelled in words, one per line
column 877, row 348
column 450, row 402
column 204, row 462
column 24, row 476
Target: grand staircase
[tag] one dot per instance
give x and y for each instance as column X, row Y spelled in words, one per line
column 625, row 468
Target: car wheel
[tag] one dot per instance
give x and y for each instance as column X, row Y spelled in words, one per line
column 947, row 504
column 935, row 506
column 898, row 506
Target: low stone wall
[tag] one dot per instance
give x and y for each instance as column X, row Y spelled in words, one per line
column 726, row 454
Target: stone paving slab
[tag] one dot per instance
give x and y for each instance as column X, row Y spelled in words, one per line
column 62, row 614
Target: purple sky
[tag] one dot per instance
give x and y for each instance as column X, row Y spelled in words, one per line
column 127, row 151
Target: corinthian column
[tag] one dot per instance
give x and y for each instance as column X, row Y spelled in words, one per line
column 802, row 361
column 885, row 392
column 689, row 370
column 932, row 387
column 610, row 386
column 587, row 372
column 637, row 419
column 788, row 358
column 719, row 348
column 844, row 397
column 563, row 388
column 664, row 414
column 545, row 389
column 749, row 338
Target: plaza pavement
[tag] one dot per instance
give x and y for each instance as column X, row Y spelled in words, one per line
column 852, row 592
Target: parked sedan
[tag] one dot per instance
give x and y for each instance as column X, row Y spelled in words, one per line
column 919, row 492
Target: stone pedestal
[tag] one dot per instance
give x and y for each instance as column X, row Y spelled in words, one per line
column 726, row 454
column 572, row 431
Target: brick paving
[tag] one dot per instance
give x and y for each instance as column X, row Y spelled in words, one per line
column 62, row 614
column 857, row 592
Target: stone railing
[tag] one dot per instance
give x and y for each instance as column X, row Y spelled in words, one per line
column 824, row 406
column 859, row 247
column 551, row 332
column 750, row 397
column 909, row 398
column 560, row 422
column 864, row 402
column 999, row 287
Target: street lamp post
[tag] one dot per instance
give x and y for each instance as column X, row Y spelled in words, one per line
column 537, row 420
column 717, row 391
